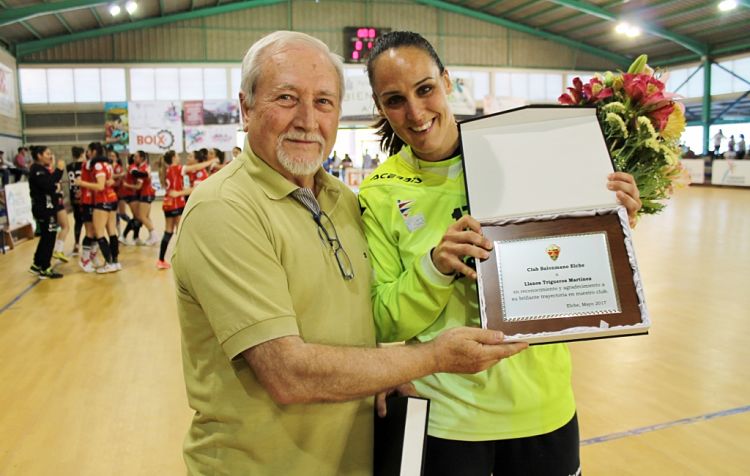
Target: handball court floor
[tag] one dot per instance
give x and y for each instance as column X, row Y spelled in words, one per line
column 91, row 379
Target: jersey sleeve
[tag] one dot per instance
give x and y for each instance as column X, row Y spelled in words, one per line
column 407, row 299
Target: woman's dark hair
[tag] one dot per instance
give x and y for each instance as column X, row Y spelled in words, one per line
column 219, row 155
column 389, row 141
column 143, row 155
column 97, row 148
column 37, row 150
column 76, row 151
column 131, row 159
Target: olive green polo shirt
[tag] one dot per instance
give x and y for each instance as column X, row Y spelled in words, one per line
column 250, row 266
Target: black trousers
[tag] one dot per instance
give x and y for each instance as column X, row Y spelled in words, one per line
column 47, row 228
column 551, row 454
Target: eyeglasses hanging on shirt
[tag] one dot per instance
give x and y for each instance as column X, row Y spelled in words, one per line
column 326, row 230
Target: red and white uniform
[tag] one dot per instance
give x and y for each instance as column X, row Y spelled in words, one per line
column 174, row 183
column 107, row 195
column 130, row 179
column 117, row 170
column 147, row 190
column 87, row 195
column 197, row 177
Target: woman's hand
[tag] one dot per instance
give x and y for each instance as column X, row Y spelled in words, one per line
column 463, row 238
column 624, row 186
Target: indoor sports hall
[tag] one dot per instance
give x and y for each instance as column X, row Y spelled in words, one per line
column 91, row 361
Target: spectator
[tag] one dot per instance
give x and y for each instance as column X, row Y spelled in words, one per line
column 741, row 147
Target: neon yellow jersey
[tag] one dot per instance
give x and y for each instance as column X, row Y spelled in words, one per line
column 407, row 205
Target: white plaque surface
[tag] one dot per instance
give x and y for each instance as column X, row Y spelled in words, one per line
column 556, row 276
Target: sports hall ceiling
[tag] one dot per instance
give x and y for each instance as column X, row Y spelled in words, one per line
column 672, row 31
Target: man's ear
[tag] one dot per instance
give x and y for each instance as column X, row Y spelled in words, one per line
column 244, row 110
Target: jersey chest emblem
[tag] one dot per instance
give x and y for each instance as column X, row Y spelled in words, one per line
column 413, row 221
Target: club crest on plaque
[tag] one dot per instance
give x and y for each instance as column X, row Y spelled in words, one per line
column 553, row 251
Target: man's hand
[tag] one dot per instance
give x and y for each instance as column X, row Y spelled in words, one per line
column 405, row 390
column 471, row 350
column 463, row 238
column 61, row 164
column 624, row 186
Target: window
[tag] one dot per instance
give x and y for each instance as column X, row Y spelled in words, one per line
column 167, row 81
column 215, row 83
column 113, row 84
column 142, row 84
column 191, row 83
column 33, row 84
column 480, row 80
column 86, row 85
column 236, row 82
column 60, row 85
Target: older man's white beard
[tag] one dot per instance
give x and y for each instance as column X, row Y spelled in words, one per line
column 295, row 165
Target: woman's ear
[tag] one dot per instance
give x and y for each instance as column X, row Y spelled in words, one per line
column 447, row 82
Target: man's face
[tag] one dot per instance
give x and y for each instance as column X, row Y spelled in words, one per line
column 294, row 117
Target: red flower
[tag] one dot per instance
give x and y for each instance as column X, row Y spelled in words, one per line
column 644, row 90
column 660, row 116
column 595, row 91
column 575, row 96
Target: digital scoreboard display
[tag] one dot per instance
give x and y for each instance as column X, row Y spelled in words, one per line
column 359, row 40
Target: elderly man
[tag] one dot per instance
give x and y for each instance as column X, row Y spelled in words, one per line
column 273, row 287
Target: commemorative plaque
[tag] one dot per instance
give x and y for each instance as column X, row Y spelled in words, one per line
column 563, row 266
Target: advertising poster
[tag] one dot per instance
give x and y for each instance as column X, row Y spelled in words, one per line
column 155, row 126
column 211, row 124
column 7, row 92
column 116, row 125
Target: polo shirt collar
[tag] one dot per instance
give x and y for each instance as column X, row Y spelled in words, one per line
column 276, row 186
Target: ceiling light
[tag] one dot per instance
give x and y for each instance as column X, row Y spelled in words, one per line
column 633, row 31
column 114, row 10
column 625, row 28
column 727, row 5
column 131, row 7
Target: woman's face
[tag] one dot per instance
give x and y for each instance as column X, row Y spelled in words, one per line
column 412, row 94
column 211, row 154
column 46, row 157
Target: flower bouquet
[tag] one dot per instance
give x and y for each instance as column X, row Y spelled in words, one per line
column 642, row 125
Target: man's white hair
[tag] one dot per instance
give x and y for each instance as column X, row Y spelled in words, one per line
column 269, row 44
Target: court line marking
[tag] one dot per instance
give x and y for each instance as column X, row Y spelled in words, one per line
column 662, row 426
column 20, row 295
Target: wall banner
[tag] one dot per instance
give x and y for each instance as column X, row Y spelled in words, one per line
column 155, row 126
column 8, row 103
column 116, row 128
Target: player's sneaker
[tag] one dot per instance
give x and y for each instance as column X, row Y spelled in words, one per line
column 107, row 268
column 35, row 270
column 60, row 255
column 86, row 266
column 163, row 265
column 76, row 251
column 152, row 240
column 50, row 273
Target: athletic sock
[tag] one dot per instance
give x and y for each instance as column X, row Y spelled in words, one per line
column 114, row 247
column 164, row 245
column 59, row 245
column 104, row 247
